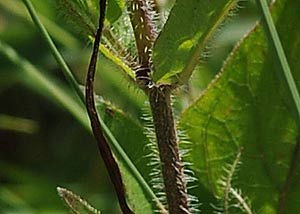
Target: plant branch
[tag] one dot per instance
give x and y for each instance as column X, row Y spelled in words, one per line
column 118, row 48
column 103, row 146
column 172, row 169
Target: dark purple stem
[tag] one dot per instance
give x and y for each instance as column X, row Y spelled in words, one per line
column 104, row 149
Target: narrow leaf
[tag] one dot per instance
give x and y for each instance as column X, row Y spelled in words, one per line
column 75, row 203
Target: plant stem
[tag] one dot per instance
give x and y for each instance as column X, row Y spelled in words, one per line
column 172, row 169
column 145, row 34
column 103, row 146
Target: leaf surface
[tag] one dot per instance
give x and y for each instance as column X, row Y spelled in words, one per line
column 245, row 108
column 189, row 28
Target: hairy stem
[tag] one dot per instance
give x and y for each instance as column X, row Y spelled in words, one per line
column 104, row 148
column 172, row 169
column 143, row 29
column 160, row 100
column 145, row 34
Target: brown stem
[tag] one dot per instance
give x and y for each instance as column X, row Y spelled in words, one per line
column 104, row 149
column 143, row 29
column 172, row 169
column 145, row 34
column 160, row 101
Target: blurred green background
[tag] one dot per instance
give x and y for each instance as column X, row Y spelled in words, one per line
column 42, row 146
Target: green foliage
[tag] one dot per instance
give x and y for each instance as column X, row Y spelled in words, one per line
column 242, row 131
column 185, row 36
column 243, row 109
column 114, row 10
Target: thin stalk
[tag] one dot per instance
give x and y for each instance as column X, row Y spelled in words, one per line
column 278, row 51
column 172, row 169
column 58, row 57
column 103, row 146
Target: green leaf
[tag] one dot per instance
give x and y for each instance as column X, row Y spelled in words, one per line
column 245, row 109
column 130, row 135
column 75, row 203
column 114, row 10
column 184, row 37
column 136, row 197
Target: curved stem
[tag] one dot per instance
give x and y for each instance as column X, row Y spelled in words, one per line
column 104, row 148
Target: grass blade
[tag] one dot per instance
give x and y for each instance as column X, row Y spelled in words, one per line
column 58, row 57
column 279, row 52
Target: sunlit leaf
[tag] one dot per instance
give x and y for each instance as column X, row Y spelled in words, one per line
column 184, row 37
